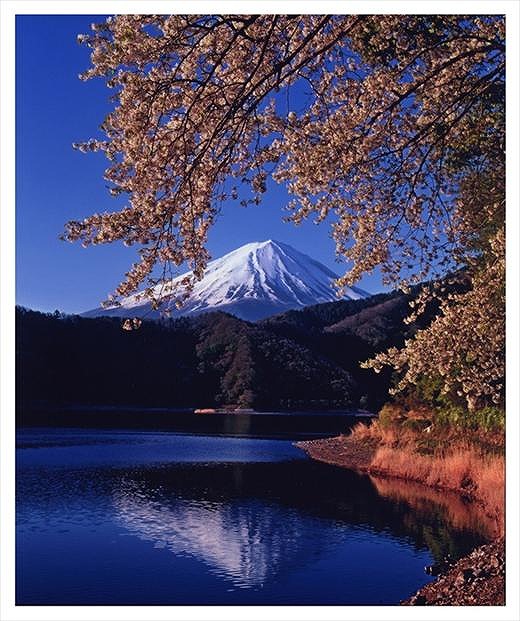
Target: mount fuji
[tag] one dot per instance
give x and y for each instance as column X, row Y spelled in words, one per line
column 252, row 282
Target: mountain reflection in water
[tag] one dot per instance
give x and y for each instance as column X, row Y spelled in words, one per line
column 249, row 522
column 244, row 543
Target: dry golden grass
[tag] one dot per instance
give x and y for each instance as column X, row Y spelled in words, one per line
column 385, row 435
column 451, row 463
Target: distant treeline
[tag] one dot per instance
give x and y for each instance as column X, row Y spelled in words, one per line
column 306, row 359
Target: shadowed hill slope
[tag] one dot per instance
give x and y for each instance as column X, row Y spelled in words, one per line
column 306, row 359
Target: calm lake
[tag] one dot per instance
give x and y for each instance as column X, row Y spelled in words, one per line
column 140, row 517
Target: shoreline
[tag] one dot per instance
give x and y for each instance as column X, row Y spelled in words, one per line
column 340, row 451
column 71, row 408
column 477, row 579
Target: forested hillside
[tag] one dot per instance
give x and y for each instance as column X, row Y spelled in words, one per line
column 305, row 359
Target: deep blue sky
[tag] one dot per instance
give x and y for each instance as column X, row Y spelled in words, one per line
column 55, row 184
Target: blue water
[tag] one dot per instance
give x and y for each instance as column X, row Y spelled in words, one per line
column 146, row 518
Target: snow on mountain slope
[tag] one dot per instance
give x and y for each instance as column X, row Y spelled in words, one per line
column 252, row 282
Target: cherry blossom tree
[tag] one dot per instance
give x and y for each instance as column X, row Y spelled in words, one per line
column 397, row 138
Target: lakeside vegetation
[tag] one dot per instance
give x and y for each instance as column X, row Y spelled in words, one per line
column 471, row 463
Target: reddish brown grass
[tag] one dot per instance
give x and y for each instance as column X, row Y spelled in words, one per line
column 385, row 435
column 455, row 463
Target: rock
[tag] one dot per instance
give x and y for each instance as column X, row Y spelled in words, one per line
column 459, row 580
column 482, row 572
column 475, row 580
column 438, row 568
column 418, row 600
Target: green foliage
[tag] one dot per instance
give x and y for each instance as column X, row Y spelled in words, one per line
column 486, row 419
column 416, row 424
column 451, row 410
column 390, row 415
column 428, row 390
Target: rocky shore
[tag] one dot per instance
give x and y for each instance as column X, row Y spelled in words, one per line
column 340, row 451
column 477, row 579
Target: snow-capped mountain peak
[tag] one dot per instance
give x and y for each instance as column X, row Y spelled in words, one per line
column 254, row 281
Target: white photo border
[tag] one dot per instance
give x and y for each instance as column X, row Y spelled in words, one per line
column 8, row 11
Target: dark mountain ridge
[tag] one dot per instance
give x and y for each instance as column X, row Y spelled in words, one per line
column 306, row 359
